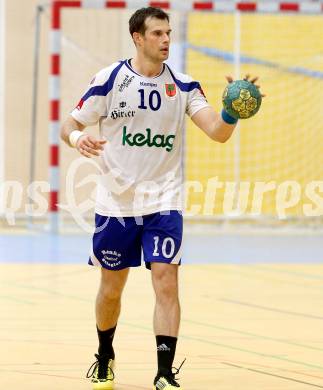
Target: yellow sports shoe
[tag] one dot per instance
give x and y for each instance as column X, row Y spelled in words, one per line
column 166, row 380
column 102, row 375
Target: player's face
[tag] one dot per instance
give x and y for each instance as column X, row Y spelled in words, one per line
column 156, row 41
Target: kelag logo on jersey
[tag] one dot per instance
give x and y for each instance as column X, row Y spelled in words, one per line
column 141, row 139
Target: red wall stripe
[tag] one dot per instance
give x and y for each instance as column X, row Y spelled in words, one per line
column 246, row 6
column 54, row 110
column 289, row 7
column 160, row 4
column 197, row 5
column 55, row 64
column 53, row 200
column 54, row 155
column 116, row 4
column 203, row 6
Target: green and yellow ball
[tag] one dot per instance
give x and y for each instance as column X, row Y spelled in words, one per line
column 241, row 99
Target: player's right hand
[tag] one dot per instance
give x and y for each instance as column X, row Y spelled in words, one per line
column 247, row 77
column 89, row 146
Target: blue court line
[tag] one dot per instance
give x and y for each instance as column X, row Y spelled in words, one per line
column 44, row 248
column 198, row 249
column 244, row 59
column 292, row 313
column 262, row 337
column 271, row 374
column 299, row 274
column 46, row 291
column 254, row 271
column 16, row 300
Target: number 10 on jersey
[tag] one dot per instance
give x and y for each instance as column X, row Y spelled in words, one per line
column 154, row 100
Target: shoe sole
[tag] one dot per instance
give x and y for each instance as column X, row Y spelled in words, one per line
column 100, row 387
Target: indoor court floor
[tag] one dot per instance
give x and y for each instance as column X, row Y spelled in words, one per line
column 246, row 325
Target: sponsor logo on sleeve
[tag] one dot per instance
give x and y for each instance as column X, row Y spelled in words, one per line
column 126, row 82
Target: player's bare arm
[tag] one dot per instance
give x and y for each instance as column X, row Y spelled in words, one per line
column 86, row 144
column 213, row 123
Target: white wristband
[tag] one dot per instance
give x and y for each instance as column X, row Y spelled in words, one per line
column 74, row 137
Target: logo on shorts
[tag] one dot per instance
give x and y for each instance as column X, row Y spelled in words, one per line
column 111, row 258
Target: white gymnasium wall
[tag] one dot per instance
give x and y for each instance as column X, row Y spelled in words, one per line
column 2, row 93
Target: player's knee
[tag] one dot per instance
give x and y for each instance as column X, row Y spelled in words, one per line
column 166, row 286
column 112, row 284
column 109, row 292
column 167, row 292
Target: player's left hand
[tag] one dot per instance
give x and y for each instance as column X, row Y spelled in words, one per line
column 89, row 146
column 247, row 78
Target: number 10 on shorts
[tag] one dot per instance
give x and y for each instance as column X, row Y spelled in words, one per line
column 167, row 248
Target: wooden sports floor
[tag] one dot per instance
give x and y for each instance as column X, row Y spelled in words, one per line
column 244, row 327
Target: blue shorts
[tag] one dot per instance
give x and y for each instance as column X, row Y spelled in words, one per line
column 120, row 243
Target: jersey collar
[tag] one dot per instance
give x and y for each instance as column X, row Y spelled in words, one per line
column 128, row 65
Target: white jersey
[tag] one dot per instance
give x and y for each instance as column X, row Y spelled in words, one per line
column 142, row 120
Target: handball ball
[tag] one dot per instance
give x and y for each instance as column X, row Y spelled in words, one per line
column 241, row 99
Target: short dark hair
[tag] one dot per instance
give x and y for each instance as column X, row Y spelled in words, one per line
column 137, row 20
